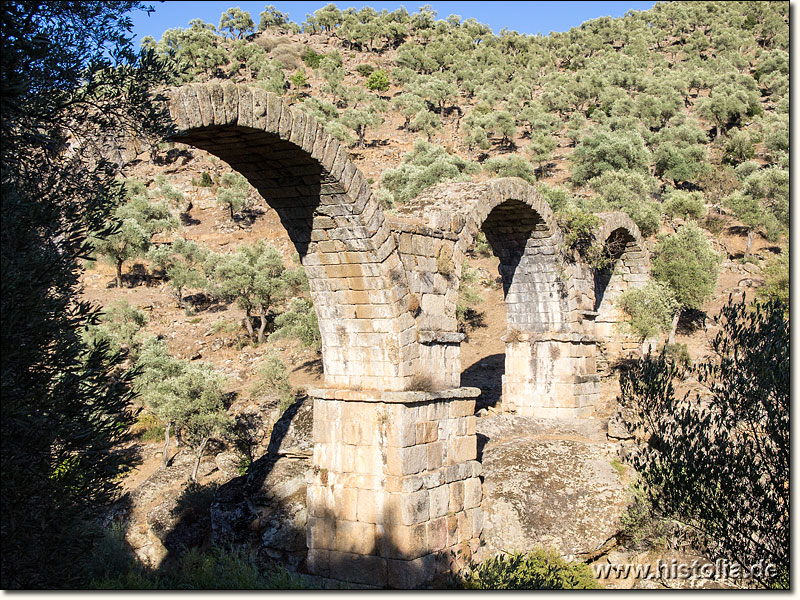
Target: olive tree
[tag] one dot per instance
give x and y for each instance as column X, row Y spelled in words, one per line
column 687, row 263
column 139, row 220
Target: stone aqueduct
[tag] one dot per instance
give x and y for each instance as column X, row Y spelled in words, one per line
column 396, row 494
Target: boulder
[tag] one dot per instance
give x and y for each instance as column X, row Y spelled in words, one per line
column 549, row 483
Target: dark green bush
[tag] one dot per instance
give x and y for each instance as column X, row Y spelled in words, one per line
column 311, row 58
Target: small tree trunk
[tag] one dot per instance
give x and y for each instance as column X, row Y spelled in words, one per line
column 675, row 319
column 263, row 327
column 750, row 235
column 119, row 274
column 249, row 324
column 230, row 208
column 165, row 453
column 197, row 459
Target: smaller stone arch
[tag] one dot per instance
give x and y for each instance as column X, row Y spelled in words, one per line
column 549, row 355
column 628, row 269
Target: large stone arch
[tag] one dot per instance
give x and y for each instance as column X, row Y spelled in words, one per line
column 627, row 269
column 331, row 215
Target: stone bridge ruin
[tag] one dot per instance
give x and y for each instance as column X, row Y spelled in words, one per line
column 396, row 494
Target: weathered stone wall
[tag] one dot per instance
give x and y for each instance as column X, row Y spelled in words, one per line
column 395, row 492
column 630, row 270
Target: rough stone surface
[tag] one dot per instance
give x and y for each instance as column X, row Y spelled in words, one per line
column 548, row 484
column 266, row 508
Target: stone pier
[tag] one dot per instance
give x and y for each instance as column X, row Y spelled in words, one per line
column 395, row 495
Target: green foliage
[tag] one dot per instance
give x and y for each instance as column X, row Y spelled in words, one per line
column 541, row 147
column 359, row 119
column 739, row 147
column 537, row 570
column 650, row 309
column 720, row 464
column 687, row 205
column 630, row 192
column 511, row 166
column 378, row 81
column 272, row 17
column 205, row 180
column 139, row 219
column 365, row 70
column 299, row 79
column 687, row 263
column 113, row 566
column 256, row 278
column 679, row 354
column 236, row 22
column 118, row 327
column 577, row 226
column 299, row 321
column 311, row 58
column 425, row 166
column 233, row 193
column 272, row 382
column 71, row 79
column 604, row 151
column 468, row 296
column 776, row 284
column 187, row 395
column 181, row 261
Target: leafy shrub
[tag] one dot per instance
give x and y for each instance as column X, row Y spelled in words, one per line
column 311, row 58
column 679, row 354
column 299, row 321
column 148, row 428
column 650, row 309
column 468, row 296
column 113, row 566
column 365, row 70
column 719, row 463
column 678, row 203
column 577, row 226
column 537, row 570
column 119, row 326
column 423, row 167
column 604, row 151
column 630, row 192
column 688, row 264
column 272, row 382
column 776, row 286
column 378, row 81
column 512, row 166
column 299, row 79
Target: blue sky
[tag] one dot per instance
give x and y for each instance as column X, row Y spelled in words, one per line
column 525, row 17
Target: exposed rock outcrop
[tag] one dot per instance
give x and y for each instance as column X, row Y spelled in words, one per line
column 265, row 510
column 549, row 483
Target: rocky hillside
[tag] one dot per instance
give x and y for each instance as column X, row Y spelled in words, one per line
column 672, row 115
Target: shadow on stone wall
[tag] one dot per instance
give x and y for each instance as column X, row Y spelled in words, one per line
column 486, row 375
